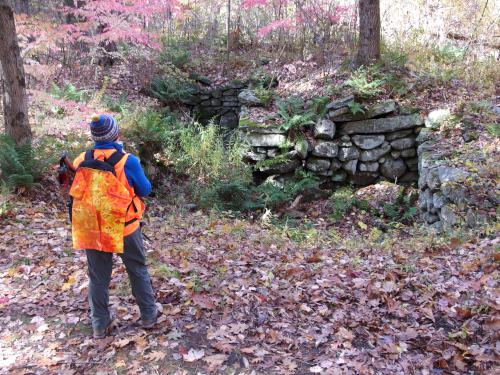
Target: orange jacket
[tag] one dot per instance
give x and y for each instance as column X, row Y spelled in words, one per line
column 135, row 206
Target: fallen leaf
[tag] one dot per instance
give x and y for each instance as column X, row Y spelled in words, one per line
column 193, row 355
column 216, row 360
column 204, row 301
column 155, row 356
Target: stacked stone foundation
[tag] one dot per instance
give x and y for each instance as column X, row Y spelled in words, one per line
column 343, row 147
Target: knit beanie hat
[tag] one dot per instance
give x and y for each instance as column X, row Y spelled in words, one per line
column 104, row 128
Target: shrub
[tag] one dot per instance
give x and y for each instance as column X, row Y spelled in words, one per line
column 363, row 84
column 119, row 105
column 342, row 200
column 293, row 115
column 355, row 108
column 493, row 129
column 173, row 87
column 261, row 78
column 403, row 209
column 218, row 174
column 4, row 199
column 70, row 92
column 18, row 164
column 175, row 54
column 152, row 132
column 319, row 106
column 272, row 193
column 264, row 95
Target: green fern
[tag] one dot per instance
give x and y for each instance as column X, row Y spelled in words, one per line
column 18, row 164
column 70, row 92
column 293, row 115
column 363, row 85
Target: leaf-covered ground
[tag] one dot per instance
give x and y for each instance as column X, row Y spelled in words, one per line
column 250, row 297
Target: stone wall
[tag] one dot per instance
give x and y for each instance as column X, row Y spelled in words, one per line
column 447, row 193
column 362, row 148
column 220, row 104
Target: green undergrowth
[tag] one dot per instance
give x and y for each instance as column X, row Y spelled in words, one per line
column 210, row 161
column 402, row 210
column 70, row 92
column 19, row 165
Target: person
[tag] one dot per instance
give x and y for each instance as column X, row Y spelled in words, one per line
column 106, row 220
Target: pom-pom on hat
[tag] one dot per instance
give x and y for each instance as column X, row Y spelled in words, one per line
column 104, row 128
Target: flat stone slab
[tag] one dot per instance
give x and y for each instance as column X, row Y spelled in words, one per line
column 262, row 129
column 381, row 125
column 344, row 102
column 264, row 140
column 376, row 110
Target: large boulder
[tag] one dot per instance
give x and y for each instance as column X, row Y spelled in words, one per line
column 324, row 129
column 393, row 168
column 368, row 142
column 248, row 98
column 376, row 153
column 326, row 149
column 381, row 125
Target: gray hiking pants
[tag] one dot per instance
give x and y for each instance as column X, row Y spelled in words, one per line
column 100, row 266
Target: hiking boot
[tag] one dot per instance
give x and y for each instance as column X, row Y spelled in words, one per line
column 100, row 333
column 149, row 324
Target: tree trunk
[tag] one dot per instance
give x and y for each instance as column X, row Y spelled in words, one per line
column 369, row 31
column 228, row 47
column 25, row 6
column 15, row 105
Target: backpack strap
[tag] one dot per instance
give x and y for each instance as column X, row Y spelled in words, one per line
column 89, row 155
column 115, row 158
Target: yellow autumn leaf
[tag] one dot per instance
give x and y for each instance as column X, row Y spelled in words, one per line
column 362, row 225
column 68, row 284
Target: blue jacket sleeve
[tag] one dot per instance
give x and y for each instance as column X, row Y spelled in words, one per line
column 136, row 177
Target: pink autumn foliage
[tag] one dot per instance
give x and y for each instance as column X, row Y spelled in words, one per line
column 278, row 24
column 119, row 20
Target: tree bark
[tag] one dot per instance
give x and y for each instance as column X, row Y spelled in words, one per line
column 25, row 6
column 15, row 104
column 228, row 47
column 369, row 32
